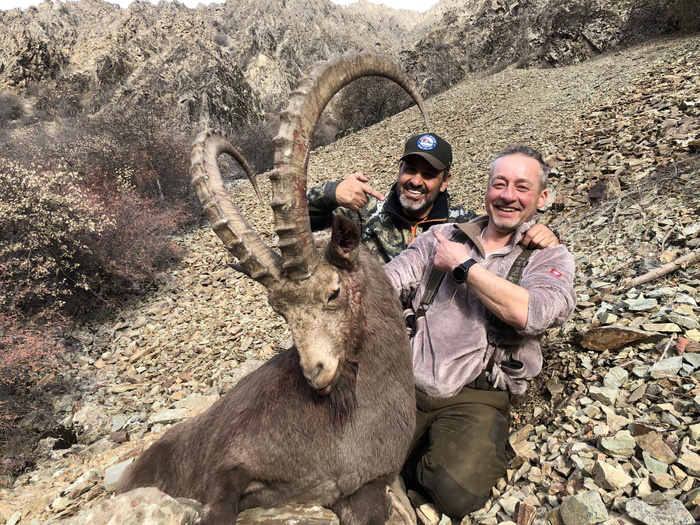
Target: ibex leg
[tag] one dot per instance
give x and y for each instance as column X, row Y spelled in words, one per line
column 368, row 505
column 225, row 491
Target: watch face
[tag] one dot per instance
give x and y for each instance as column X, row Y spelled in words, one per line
column 458, row 274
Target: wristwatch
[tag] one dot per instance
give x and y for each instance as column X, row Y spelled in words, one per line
column 460, row 272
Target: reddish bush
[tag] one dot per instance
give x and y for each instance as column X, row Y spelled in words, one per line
column 26, row 346
column 138, row 244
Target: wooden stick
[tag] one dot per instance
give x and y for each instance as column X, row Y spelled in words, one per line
column 668, row 234
column 668, row 345
column 686, row 260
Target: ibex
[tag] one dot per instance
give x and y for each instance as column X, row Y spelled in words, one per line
column 329, row 421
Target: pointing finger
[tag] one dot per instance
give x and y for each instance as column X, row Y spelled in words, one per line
column 369, row 190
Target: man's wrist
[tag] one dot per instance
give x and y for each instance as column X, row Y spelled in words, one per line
column 461, row 271
column 329, row 190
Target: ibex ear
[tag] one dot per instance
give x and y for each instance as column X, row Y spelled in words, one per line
column 345, row 242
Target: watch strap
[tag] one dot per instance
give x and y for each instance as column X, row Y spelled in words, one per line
column 465, row 266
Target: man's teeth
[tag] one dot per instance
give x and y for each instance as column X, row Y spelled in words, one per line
column 504, row 208
column 415, row 192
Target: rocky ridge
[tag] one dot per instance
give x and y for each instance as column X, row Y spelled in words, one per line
column 608, row 432
column 217, row 64
column 235, row 63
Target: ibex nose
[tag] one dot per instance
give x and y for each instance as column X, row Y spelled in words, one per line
column 319, row 370
column 315, row 372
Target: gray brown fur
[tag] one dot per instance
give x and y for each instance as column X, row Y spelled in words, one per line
column 273, row 438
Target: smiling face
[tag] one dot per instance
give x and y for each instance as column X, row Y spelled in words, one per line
column 419, row 185
column 513, row 194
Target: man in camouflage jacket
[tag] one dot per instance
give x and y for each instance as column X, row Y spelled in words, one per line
column 417, row 200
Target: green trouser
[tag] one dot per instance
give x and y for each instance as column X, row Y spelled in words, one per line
column 459, row 448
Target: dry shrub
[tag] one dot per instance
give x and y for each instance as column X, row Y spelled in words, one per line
column 367, row 101
column 221, row 39
column 26, row 347
column 139, row 243
column 68, row 245
column 45, row 219
column 255, row 141
column 141, row 145
column 688, row 14
column 51, row 102
column 650, row 18
column 11, row 108
column 136, row 145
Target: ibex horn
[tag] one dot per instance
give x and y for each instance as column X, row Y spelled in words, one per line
column 297, row 125
column 256, row 258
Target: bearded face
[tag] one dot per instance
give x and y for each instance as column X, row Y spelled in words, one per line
column 419, row 185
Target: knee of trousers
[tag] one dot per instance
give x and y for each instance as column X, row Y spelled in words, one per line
column 448, row 495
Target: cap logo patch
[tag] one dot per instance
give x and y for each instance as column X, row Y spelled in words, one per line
column 426, row 142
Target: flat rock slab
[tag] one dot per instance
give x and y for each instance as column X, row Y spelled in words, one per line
column 612, row 337
column 656, row 447
column 640, row 305
column 670, row 513
column 113, row 473
column 662, row 327
column 297, row 514
column 169, row 415
column 585, row 508
column 138, row 507
column 620, row 445
column 668, row 367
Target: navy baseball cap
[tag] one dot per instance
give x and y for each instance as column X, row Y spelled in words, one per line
column 433, row 148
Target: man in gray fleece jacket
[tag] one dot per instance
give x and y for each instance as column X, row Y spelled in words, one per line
column 466, row 364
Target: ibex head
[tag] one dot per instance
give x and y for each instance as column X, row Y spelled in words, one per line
column 316, row 283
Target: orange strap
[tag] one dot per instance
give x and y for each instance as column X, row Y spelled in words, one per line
column 414, row 227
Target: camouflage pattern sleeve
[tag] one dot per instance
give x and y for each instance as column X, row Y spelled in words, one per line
column 322, row 207
column 459, row 214
column 322, row 203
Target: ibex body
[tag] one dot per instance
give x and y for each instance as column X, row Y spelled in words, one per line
column 274, row 438
column 329, row 421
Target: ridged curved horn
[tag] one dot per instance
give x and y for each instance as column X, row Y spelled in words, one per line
column 297, row 125
column 260, row 261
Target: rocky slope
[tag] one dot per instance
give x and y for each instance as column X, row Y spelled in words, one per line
column 608, row 432
column 474, row 36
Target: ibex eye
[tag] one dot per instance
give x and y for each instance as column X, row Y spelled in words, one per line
column 334, row 295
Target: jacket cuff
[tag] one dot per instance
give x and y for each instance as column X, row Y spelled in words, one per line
column 328, row 198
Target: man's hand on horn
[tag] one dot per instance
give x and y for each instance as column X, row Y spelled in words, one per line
column 354, row 192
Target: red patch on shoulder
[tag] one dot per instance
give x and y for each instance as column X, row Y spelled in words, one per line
column 555, row 273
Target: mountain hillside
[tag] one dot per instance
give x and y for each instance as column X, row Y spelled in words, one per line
column 234, row 63
column 607, row 433
column 218, row 63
